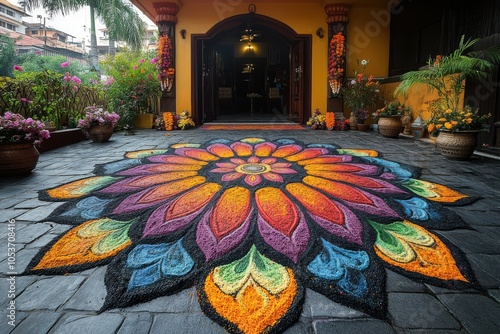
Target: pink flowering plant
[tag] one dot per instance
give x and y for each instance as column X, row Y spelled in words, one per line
column 96, row 115
column 14, row 128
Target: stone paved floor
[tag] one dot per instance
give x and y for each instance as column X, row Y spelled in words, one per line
column 69, row 304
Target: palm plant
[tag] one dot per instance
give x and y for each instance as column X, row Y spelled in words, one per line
column 120, row 18
column 446, row 75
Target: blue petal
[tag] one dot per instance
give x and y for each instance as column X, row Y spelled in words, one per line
column 117, row 166
column 342, row 265
column 176, row 261
column 144, row 254
column 333, row 147
column 400, row 171
column 150, row 263
column 145, row 276
column 285, row 141
column 418, row 209
column 88, row 208
column 220, row 141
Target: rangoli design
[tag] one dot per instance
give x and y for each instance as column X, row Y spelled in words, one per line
column 251, row 224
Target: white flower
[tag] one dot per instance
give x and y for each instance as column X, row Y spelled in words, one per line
column 364, row 62
column 353, row 82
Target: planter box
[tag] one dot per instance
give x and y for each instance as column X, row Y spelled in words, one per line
column 144, row 121
column 62, row 138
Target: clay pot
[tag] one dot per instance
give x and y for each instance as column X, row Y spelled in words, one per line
column 390, row 126
column 17, row 158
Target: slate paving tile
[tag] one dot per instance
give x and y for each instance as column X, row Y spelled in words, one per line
column 495, row 294
column 472, row 242
column 7, row 326
column 316, row 305
column 37, row 322
column 49, row 293
column 418, row 310
column 89, row 324
column 90, row 296
column 7, row 214
column 398, row 283
column 185, row 324
column 30, row 204
column 177, row 303
column 39, row 213
column 487, row 269
column 477, row 313
column 23, row 258
column 32, row 232
column 136, row 323
column 352, row 327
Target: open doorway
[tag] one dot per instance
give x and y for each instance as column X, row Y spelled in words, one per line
column 245, row 70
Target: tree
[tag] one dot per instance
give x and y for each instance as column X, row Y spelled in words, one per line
column 120, row 18
column 7, row 55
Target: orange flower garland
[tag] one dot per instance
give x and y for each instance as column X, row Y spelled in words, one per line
column 330, row 120
column 168, row 119
column 165, row 63
column 336, row 62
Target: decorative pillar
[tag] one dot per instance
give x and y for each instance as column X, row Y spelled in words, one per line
column 166, row 20
column 338, row 16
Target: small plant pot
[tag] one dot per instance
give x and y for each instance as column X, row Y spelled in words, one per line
column 458, row 145
column 100, row 133
column 17, row 159
column 390, row 126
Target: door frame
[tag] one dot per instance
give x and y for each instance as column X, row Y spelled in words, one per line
column 234, row 22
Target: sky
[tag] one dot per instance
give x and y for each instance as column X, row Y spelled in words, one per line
column 76, row 24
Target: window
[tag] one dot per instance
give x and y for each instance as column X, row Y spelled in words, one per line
column 2, row 24
column 2, row 10
column 34, row 32
column 11, row 27
column 9, row 12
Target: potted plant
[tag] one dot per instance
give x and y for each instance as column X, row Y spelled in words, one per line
column 361, row 93
column 18, row 135
column 458, row 131
column 317, row 121
column 446, row 75
column 389, row 118
column 98, row 124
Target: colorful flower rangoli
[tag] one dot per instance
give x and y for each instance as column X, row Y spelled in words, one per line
column 252, row 223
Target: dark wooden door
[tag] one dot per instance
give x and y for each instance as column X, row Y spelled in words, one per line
column 297, row 82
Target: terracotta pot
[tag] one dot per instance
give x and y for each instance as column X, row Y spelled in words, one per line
column 100, row 133
column 17, row 158
column 363, row 127
column 390, row 126
column 457, row 145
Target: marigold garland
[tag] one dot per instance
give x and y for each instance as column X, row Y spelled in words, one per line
column 336, row 62
column 166, row 71
column 168, row 119
column 330, row 120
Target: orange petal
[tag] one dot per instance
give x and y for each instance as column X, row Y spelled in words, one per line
column 433, row 260
column 325, row 160
column 316, row 203
column 338, row 190
column 286, row 150
column 242, row 149
column 264, row 149
column 162, row 193
column 163, row 168
column 177, row 159
column 149, row 180
column 196, row 153
column 221, row 150
column 333, row 168
column 253, row 310
column 230, row 211
column 308, row 153
column 277, row 210
column 192, row 201
column 363, row 181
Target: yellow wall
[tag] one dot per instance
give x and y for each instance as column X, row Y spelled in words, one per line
column 304, row 18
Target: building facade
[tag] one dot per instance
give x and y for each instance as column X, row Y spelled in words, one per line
column 11, row 17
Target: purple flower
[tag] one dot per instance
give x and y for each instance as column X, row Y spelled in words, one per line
column 75, row 88
column 67, row 77
column 65, row 64
column 38, row 53
column 135, row 67
column 141, row 61
column 18, row 68
column 153, row 61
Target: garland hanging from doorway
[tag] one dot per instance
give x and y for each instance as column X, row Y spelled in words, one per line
column 165, row 64
column 336, row 62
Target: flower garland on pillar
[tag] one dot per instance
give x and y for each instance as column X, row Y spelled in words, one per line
column 166, row 71
column 336, row 62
